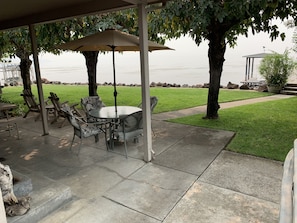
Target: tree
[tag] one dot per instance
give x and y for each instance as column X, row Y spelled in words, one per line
column 17, row 43
column 220, row 22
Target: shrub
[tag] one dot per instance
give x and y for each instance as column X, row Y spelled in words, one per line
column 276, row 68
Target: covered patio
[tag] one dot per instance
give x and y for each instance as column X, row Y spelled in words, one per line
column 30, row 13
column 191, row 179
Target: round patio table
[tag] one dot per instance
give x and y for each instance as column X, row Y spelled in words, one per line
column 110, row 113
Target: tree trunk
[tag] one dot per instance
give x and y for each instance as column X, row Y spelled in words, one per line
column 216, row 52
column 91, row 62
column 25, row 65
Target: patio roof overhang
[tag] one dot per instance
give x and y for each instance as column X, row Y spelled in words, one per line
column 15, row 13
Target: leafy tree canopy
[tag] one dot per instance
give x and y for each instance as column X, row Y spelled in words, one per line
column 220, row 22
column 200, row 18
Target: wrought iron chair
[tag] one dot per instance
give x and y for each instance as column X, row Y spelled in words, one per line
column 130, row 127
column 153, row 103
column 94, row 102
column 59, row 113
column 89, row 103
column 81, row 128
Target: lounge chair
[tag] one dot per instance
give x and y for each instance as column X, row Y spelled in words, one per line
column 33, row 106
column 59, row 113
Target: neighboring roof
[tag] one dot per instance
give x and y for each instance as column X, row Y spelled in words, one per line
column 15, row 13
column 258, row 55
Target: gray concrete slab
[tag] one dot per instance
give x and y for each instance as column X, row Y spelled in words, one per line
column 250, row 175
column 99, row 210
column 153, row 190
column 191, row 180
column 195, row 151
column 206, row 203
column 165, row 135
column 91, row 182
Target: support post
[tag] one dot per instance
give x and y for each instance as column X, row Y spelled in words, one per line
column 38, row 79
column 145, row 86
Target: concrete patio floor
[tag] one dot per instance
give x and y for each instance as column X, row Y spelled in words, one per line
column 191, row 179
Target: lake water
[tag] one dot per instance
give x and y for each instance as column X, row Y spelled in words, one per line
column 186, row 64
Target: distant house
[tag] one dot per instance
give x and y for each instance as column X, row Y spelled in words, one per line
column 10, row 74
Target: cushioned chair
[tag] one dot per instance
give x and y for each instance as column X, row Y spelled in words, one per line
column 81, row 128
column 130, row 127
column 89, row 103
column 153, row 103
column 94, row 102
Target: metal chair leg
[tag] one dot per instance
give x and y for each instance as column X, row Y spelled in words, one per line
column 17, row 130
column 125, row 143
column 72, row 142
column 26, row 114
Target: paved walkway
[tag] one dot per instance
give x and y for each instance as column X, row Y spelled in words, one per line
column 192, row 178
column 202, row 109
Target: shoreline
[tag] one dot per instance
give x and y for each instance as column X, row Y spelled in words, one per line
column 230, row 85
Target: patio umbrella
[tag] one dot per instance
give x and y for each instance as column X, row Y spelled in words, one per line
column 110, row 40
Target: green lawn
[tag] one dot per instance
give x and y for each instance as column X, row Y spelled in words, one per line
column 265, row 129
column 170, row 99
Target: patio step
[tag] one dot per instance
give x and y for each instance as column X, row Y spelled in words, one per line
column 46, row 195
column 22, row 185
column 290, row 89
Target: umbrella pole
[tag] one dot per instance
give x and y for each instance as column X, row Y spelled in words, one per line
column 115, row 93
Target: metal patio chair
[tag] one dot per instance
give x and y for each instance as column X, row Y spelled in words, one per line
column 130, row 127
column 94, row 102
column 81, row 128
column 153, row 103
column 89, row 103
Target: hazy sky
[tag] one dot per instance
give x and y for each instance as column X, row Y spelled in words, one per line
column 186, row 64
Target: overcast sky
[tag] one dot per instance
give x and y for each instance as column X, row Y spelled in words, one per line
column 186, row 64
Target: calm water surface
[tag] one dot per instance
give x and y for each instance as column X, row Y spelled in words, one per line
column 186, row 64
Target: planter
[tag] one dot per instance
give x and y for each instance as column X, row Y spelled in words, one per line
column 274, row 89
